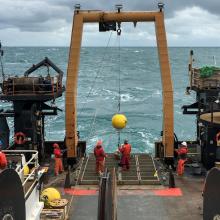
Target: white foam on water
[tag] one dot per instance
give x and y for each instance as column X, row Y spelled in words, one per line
column 87, row 101
column 126, row 97
column 146, row 136
column 157, row 93
column 52, row 49
column 108, row 91
column 140, row 88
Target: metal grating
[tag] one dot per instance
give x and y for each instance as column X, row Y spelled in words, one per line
column 142, row 171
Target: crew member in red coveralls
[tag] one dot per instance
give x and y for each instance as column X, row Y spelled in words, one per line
column 125, row 150
column 100, row 157
column 3, row 160
column 58, row 159
column 182, row 154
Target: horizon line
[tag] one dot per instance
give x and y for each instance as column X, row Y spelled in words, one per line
column 115, row 46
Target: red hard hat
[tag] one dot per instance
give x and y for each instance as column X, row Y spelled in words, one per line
column 55, row 145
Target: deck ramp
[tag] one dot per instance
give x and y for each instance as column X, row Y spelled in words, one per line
column 141, row 172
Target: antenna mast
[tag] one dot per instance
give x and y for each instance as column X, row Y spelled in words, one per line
column 1, row 55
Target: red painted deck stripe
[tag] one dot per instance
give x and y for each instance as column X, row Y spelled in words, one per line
column 168, row 192
column 81, row 192
column 172, row 192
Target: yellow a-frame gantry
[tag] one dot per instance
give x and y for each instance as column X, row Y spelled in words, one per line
column 81, row 17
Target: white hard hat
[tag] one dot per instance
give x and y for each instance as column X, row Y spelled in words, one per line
column 184, row 143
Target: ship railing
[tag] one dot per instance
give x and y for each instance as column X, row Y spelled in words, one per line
column 28, row 180
column 33, row 85
column 107, row 201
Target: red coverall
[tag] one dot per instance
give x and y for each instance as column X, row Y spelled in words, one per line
column 3, row 161
column 100, row 158
column 125, row 159
column 58, row 161
column 182, row 152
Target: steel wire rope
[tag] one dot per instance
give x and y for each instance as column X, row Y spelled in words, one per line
column 96, row 76
column 92, row 127
column 114, row 45
column 92, row 124
column 104, row 132
column 119, row 77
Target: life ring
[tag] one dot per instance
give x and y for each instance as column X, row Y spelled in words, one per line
column 20, row 138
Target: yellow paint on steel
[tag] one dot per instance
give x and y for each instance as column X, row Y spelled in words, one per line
column 167, row 86
column 92, row 16
column 71, row 86
column 81, row 17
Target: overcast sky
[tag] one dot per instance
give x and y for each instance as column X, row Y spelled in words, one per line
column 48, row 22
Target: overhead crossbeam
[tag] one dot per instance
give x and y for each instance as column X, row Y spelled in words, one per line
column 81, row 17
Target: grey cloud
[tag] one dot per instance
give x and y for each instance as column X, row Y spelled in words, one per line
column 170, row 5
column 50, row 15
column 29, row 15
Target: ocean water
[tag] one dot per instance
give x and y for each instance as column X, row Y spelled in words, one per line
column 98, row 85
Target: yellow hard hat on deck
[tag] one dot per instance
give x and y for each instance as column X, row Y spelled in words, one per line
column 50, row 194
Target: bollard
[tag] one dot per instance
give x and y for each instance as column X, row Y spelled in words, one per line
column 67, row 183
column 171, row 179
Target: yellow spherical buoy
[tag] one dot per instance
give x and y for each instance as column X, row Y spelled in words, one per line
column 119, row 121
column 50, row 194
column 26, row 170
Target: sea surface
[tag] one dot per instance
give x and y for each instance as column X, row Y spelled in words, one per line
column 98, row 91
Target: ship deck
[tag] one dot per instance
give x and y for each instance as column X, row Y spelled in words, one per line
column 143, row 202
column 136, row 201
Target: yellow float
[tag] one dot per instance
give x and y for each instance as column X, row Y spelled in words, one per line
column 26, row 170
column 119, row 121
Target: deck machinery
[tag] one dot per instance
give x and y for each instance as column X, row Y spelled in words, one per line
column 207, row 111
column 29, row 95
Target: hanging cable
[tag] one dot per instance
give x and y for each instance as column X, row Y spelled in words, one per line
column 119, row 66
column 96, row 76
column 92, row 128
column 119, row 77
